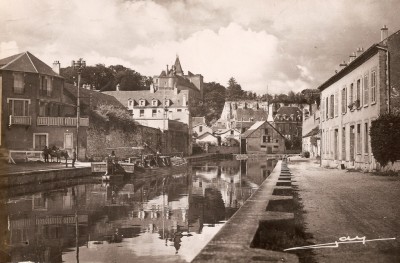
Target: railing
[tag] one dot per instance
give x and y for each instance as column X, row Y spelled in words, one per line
column 61, row 121
column 26, row 155
column 20, row 120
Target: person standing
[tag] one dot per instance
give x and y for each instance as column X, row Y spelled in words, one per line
column 73, row 158
column 46, row 154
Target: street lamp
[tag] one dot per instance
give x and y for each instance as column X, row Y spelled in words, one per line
column 79, row 65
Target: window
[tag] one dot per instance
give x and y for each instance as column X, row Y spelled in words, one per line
column 154, row 113
column 232, row 132
column 200, row 128
column 351, row 93
column 18, row 107
column 130, row 103
column 366, row 90
column 166, row 103
column 322, row 109
column 373, row 86
column 358, row 94
column 366, row 131
column 154, row 103
column 326, row 109
column 332, row 106
column 141, row 113
column 18, row 87
column 358, row 138
column 264, row 138
column 265, row 131
column 46, row 86
column 179, row 110
column 142, row 103
column 269, row 139
column 336, row 106
column 344, row 100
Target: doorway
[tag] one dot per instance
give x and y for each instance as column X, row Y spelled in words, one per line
column 40, row 140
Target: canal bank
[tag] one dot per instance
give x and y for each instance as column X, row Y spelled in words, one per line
column 34, row 173
column 12, row 175
column 235, row 242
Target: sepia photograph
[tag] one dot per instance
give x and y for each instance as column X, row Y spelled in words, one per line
column 199, row 131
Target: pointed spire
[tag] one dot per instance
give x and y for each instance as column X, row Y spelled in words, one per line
column 178, row 67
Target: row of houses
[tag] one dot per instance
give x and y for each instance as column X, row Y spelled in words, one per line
column 365, row 86
column 40, row 109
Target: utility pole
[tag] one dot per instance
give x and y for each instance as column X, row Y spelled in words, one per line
column 79, row 65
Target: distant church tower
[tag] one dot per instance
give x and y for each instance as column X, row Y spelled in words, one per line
column 178, row 67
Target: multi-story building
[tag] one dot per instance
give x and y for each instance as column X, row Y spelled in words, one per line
column 288, row 120
column 262, row 137
column 241, row 115
column 34, row 112
column 310, row 131
column 167, row 103
column 356, row 95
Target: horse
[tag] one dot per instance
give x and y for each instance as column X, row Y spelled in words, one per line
column 56, row 152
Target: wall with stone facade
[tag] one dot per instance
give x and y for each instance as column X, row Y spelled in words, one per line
column 100, row 142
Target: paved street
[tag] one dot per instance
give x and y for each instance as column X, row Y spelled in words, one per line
column 338, row 204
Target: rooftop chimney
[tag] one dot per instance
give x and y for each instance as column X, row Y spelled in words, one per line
column 384, row 32
column 359, row 51
column 343, row 65
column 352, row 57
column 56, row 67
column 270, row 117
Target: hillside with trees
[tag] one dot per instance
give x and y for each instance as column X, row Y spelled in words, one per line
column 105, row 78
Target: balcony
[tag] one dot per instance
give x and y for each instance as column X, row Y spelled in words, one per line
column 19, row 120
column 61, row 121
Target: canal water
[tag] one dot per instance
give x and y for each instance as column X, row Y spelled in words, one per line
column 151, row 218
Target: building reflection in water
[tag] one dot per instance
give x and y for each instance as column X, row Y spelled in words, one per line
column 51, row 225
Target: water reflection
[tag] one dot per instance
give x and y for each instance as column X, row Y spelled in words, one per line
column 158, row 218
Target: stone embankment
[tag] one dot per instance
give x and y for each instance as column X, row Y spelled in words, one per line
column 235, row 241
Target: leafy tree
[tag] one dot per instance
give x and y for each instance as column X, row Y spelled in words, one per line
column 385, row 138
column 213, row 103
column 234, row 90
column 105, row 78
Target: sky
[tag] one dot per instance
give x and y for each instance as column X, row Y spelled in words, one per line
column 274, row 45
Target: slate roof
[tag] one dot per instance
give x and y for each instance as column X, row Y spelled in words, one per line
column 246, row 114
column 288, row 110
column 313, row 132
column 124, row 96
column 205, row 134
column 178, row 67
column 222, row 131
column 26, row 62
column 198, row 120
column 91, row 97
column 255, row 126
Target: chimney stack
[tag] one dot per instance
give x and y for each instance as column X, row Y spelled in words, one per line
column 359, row 51
column 167, row 71
column 384, row 32
column 56, row 67
column 352, row 57
column 343, row 65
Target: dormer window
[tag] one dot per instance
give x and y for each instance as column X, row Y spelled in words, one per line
column 166, row 102
column 130, row 103
column 142, row 102
column 154, row 102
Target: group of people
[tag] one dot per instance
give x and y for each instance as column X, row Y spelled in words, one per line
column 54, row 151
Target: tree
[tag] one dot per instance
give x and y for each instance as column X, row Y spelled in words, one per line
column 213, row 103
column 105, row 78
column 385, row 138
column 234, row 90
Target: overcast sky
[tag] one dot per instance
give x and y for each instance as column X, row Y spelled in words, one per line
column 285, row 45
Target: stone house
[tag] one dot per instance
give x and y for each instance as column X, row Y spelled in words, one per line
column 262, row 137
column 310, row 131
column 288, row 120
column 34, row 112
column 366, row 86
